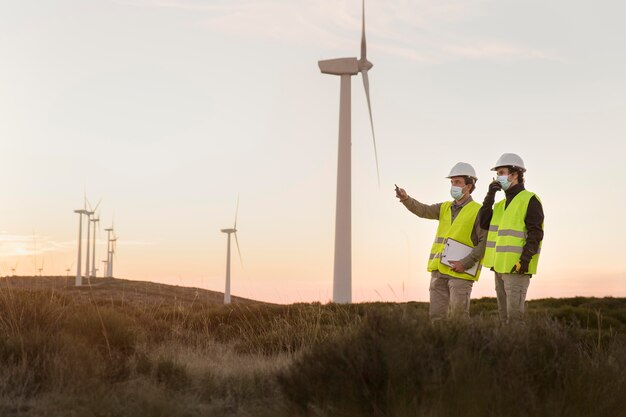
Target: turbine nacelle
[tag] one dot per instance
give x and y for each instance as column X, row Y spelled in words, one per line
column 340, row 66
column 229, row 230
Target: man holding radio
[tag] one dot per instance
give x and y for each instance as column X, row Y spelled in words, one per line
column 515, row 233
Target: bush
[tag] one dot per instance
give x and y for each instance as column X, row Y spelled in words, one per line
column 404, row 366
column 171, row 374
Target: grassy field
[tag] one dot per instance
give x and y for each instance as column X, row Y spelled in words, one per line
column 176, row 352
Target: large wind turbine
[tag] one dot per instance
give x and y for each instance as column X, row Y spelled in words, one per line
column 79, row 277
column 229, row 232
column 346, row 68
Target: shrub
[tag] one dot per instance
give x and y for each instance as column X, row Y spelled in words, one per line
column 404, row 366
column 171, row 374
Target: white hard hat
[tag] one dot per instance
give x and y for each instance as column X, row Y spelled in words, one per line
column 510, row 160
column 462, row 169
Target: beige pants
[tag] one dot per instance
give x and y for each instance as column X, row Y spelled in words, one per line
column 511, row 292
column 449, row 295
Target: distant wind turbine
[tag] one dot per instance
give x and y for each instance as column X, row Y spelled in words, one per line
column 107, row 271
column 229, row 232
column 113, row 255
column 79, row 277
column 90, row 213
column 346, row 68
column 95, row 221
column 68, row 269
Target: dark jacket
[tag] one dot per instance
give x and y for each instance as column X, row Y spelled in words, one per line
column 533, row 220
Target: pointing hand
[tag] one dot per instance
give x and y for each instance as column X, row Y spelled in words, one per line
column 401, row 193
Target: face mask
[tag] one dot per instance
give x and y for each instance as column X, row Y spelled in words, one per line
column 456, row 192
column 504, row 181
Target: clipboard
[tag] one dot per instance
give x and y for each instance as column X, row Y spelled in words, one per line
column 455, row 251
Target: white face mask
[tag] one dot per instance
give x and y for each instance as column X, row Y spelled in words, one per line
column 504, row 181
column 456, row 192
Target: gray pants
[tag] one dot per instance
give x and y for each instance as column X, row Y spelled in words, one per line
column 449, row 294
column 511, row 291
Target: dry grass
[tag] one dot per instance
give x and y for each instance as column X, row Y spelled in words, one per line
column 101, row 352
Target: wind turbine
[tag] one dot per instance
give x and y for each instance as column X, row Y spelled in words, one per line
column 14, row 268
column 346, row 68
column 113, row 247
column 107, row 272
column 90, row 213
column 229, row 232
column 79, row 277
column 93, row 257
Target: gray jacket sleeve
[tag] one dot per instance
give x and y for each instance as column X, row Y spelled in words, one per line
column 479, row 237
column 424, row 211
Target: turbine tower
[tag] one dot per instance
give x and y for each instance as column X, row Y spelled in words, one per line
column 110, row 251
column 113, row 247
column 79, row 277
column 90, row 213
column 87, row 264
column 93, row 256
column 108, row 261
column 229, row 232
column 346, row 68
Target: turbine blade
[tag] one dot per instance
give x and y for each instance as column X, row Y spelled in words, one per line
column 238, row 251
column 363, row 42
column 236, row 212
column 366, row 84
column 96, row 207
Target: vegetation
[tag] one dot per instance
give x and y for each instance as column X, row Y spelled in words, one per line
column 62, row 355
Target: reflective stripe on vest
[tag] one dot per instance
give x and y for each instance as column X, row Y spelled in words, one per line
column 507, row 235
column 459, row 230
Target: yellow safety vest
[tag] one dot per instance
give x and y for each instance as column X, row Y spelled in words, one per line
column 460, row 230
column 507, row 235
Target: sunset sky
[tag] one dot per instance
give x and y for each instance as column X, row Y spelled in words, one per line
column 167, row 110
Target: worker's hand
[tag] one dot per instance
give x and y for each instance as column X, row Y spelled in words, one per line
column 457, row 266
column 401, row 194
column 521, row 267
column 494, row 187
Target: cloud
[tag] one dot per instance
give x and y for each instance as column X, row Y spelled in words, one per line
column 416, row 30
column 29, row 245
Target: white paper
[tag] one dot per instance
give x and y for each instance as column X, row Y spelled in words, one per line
column 455, row 251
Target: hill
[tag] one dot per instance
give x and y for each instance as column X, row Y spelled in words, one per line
column 120, row 290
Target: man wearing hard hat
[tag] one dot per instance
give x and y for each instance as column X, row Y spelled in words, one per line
column 458, row 233
column 515, row 226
